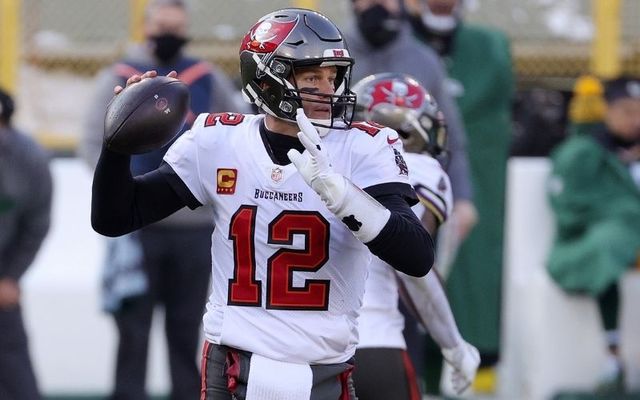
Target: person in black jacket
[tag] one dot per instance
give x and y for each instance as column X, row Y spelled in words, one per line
column 151, row 267
column 25, row 210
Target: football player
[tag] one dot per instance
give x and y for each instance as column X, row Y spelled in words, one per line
column 301, row 200
column 383, row 367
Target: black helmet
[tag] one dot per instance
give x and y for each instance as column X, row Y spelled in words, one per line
column 287, row 39
column 399, row 102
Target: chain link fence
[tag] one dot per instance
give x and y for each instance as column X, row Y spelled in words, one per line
column 551, row 39
column 65, row 42
column 85, row 35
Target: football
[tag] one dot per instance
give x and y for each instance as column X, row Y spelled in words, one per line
column 146, row 116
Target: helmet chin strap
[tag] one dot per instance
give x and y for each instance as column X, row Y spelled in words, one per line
column 322, row 130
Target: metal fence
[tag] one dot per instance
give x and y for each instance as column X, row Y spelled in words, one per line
column 63, row 43
column 550, row 37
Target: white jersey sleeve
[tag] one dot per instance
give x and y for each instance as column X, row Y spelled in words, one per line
column 184, row 157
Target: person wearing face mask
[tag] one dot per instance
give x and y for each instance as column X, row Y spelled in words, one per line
column 381, row 40
column 435, row 22
column 167, row 263
column 479, row 66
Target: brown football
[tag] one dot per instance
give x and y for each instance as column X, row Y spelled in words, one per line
column 146, row 116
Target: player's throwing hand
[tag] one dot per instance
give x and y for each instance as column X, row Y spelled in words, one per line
column 137, row 78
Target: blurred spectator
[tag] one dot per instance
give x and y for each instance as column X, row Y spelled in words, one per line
column 479, row 65
column 167, row 263
column 383, row 370
column 25, row 212
column 380, row 40
column 539, row 121
column 594, row 192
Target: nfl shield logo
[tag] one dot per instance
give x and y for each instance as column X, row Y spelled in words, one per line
column 276, row 174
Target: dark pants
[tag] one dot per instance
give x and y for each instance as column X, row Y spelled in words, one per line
column 17, row 380
column 383, row 374
column 226, row 372
column 608, row 305
column 178, row 264
column 415, row 339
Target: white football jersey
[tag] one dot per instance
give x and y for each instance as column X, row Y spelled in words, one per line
column 288, row 276
column 380, row 321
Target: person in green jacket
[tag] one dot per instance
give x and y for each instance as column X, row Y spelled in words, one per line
column 594, row 191
column 479, row 64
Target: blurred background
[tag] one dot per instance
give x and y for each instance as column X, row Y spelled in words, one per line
column 51, row 50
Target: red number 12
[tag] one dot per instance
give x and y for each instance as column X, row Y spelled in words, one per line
column 245, row 290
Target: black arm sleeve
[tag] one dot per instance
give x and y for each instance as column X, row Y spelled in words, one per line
column 403, row 243
column 121, row 204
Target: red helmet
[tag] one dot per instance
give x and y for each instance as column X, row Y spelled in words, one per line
column 287, row 39
column 399, row 102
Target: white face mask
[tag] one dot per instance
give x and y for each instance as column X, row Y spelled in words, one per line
column 439, row 23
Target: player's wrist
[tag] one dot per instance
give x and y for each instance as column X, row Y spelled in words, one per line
column 362, row 214
column 456, row 352
column 332, row 189
column 449, row 352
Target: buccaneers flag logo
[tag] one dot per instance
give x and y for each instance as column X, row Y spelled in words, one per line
column 395, row 92
column 266, row 35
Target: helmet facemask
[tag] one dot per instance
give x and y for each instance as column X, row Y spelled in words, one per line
column 304, row 38
column 341, row 102
column 424, row 133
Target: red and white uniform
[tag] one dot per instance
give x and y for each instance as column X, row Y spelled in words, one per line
column 288, row 276
column 380, row 321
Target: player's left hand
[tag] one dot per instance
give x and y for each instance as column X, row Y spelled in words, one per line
column 465, row 360
column 314, row 165
column 137, row 78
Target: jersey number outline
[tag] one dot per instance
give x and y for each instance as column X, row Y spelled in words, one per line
column 245, row 290
column 225, row 118
column 372, row 128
